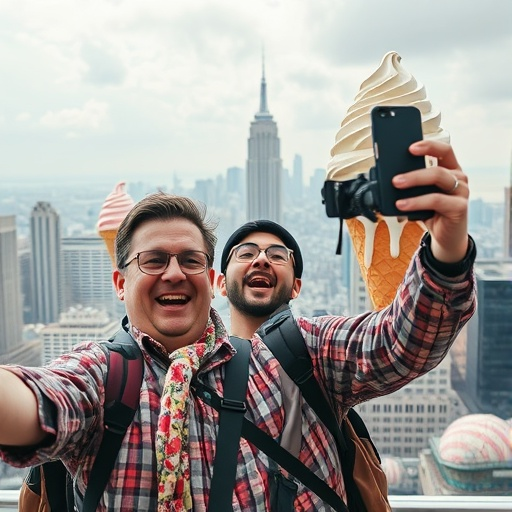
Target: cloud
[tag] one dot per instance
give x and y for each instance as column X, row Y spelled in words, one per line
column 103, row 68
column 91, row 116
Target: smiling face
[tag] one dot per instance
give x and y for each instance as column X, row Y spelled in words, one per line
column 259, row 287
column 173, row 308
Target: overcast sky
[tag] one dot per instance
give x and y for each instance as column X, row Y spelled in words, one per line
column 134, row 89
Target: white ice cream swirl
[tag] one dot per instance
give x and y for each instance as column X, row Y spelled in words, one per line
column 391, row 84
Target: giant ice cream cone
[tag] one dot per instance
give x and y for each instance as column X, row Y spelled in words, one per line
column 115, row 208
column 384, row 249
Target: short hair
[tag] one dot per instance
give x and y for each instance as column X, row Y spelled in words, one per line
column 162, row 206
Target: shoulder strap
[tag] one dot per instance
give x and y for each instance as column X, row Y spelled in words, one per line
column 225, row 472
column 231, row 415
column 284, row 339
column 122, row 393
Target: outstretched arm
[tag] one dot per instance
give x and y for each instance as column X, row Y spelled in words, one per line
column 449, row 225
column 19, row 420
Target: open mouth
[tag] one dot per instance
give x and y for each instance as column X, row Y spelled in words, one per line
column 260, row 281
column 169, row 300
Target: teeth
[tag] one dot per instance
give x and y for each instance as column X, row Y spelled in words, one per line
column 173, row 297
column 260, row 282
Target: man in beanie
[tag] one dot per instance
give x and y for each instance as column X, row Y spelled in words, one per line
column 273, row 279
column 354, row 358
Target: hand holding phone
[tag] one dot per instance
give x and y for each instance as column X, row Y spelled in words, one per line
column 394, row 129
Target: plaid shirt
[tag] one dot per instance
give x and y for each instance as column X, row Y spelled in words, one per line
column 354, row 358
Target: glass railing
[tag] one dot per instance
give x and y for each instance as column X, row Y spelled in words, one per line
column 9, row 501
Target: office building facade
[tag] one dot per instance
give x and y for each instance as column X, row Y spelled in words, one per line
column 87, row 276
column 75, row 326
column 489, row 338
column 402, row 423
column 45, row 233
column 11, row 318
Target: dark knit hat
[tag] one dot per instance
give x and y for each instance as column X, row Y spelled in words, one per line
column 263, row 226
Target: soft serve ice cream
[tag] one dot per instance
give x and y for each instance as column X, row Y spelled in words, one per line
column 383, row 249
column 115, row 208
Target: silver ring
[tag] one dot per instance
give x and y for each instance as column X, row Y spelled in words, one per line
column 455, row 185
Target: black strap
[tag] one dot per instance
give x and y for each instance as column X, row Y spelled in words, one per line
column 231, row 414
column 233, row 424
column 284, row 339
column 122, row 393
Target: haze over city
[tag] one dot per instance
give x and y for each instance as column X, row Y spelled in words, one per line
column 110, row 90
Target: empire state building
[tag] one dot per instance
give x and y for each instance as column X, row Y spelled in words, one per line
column 264, row 165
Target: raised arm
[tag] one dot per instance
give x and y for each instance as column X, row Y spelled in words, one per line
column 19, row 421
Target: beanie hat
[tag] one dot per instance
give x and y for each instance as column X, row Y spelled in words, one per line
column 263, row 226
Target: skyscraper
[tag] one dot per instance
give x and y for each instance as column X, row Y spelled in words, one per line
column 11, row 324
column 488, row 364
column 264, row 165
column 87, row 276
column 508, row 218
column 298, row 188
column 45, row 242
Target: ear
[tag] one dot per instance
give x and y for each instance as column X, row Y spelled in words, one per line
column 211, row 277
column 297, row 284
column 221, row 284
column 118, row 280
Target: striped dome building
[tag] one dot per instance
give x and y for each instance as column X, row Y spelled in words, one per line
column 474, row 455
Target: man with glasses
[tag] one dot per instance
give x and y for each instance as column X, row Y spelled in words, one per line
column 354, row 358
column 164, row 256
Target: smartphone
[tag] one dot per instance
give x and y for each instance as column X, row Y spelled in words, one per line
column 394, row 129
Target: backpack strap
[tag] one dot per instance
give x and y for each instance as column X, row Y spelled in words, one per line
column 231, row 414
column 122, row 394
column 253, row 434
column 284, row 339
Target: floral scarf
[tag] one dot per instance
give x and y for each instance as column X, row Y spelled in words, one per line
column 172, row 435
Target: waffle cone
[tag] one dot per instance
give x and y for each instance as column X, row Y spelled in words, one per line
column 385, row 273
column 109, row 237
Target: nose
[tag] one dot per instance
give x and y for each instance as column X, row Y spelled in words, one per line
column 261, row 259
column 173, row 271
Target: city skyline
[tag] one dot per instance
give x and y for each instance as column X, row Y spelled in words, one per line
column 119, row 90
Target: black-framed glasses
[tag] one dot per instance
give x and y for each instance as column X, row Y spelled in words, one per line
column 248, row 252
column 154, row 263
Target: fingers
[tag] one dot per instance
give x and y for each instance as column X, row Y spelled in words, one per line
column 442, row 151
column 454, row 183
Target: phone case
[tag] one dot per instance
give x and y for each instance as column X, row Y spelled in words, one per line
column 394, row 129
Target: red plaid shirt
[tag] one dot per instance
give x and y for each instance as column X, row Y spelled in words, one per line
column 355, row 359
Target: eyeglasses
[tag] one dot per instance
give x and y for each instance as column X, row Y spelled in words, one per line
column 248, row 252
column 154, row 263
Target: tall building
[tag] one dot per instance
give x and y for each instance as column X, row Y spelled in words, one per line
column 25, row 261
column 75, row 326
column 45, row 242
column 508, row 218
column 264, row 165
column 358, row 296
column 402, row 423
column 489, row 337
column 87, row 276
column 11, row 318
column 297, row 180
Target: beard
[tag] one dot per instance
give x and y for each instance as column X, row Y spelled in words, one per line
column 255, row 307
